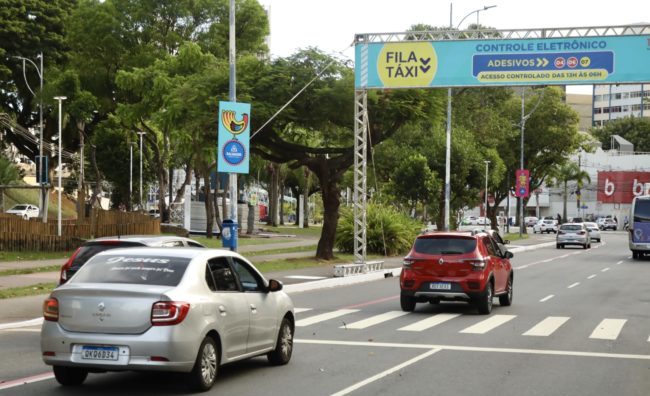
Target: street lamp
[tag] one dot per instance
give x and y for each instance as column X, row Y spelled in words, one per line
column 448, row 134
column 141, row 133
column 60, row 99
column 487, row 165
column 39, row 71
column 131, row 175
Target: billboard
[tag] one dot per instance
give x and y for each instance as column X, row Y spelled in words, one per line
column 622, row 186
column 234, row 137
column 497, row 62
column 522, row 189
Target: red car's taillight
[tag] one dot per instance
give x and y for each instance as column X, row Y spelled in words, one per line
column 477, row 263
column 407, row 262
column 63, row 276
column 51, row 309
column 167, row 313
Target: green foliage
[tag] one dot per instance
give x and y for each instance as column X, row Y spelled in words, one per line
column 634, row 129
column 388, row 232
column 9, row 172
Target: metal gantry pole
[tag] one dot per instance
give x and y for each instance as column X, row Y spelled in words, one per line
column 521, row 160
column 130, row 175
column 60, row 99
column 360, row 181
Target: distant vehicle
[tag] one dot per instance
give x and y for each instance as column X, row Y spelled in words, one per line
column 471, row 220
column 530, row 221
column 550, row 218
column 543, row 226
column 639, row 227
column 608, row 224
column 573, row 234
column 484, row 221
column 155, row 309
column 594, row 232
column 90, row 248
column 26, row 211
column 576, row 220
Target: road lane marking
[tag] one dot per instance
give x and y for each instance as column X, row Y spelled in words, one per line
column 395, row 297
column 547, row 298
column 546, row 261
column 547, row 326
column 22, row 330
column 300, row 310
column 373, row 320
column 325, row 316
column 486, row 325
column 26, row 380
column 384, row 373
column 620, row 262
column 591, row 276
column 429, row 322
column 474, row 349
column 26, row 323
column 571, row 286
column 604, row 269
column 608, row 329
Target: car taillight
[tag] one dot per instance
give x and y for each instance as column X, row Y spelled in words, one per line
column 581, row 232
column 167, row 313
column 51, row 309
column 477, row 263
column 63, row 276
column 407, row 262
column 560, row 232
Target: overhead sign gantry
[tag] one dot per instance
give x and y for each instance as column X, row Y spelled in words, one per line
column 489, row 57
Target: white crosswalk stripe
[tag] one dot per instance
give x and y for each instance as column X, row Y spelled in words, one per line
column 362, row 324
column 547, row 326
column 429, row 322
column 488, row 324
column 324, row 316
column 608, row 329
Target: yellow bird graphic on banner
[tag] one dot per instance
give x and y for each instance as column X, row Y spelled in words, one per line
column 231, row 124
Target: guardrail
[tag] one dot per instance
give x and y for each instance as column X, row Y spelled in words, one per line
column 341, row 270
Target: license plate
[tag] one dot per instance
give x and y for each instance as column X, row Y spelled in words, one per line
column 440, row 286
column 99, row 353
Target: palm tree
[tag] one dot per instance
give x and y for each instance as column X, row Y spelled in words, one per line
column 563, row 174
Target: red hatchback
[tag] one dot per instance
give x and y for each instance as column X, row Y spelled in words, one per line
column 456, row 266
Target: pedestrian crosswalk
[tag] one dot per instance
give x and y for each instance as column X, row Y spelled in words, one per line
column 608, row 328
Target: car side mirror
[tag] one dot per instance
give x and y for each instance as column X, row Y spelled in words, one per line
column 509, row 254
column 275, row 285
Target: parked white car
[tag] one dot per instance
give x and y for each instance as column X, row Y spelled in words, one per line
column 594, row 232
column 26, row 211
column 543, row 226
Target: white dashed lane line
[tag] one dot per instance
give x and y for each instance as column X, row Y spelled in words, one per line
column 571, row 286
column 592, row 276
column 547, row 298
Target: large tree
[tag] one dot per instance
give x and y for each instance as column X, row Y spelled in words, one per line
column 634, row 129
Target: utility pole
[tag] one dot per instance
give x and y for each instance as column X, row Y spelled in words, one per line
column 232, row 94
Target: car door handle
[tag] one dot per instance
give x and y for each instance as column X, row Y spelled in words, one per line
column 222, row 310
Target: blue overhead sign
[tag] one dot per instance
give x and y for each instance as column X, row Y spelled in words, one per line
column 581, row 60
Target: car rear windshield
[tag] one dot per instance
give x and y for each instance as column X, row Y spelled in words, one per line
column 571, row 227
column 133, row 269
column 86, row 252
column 445, row 245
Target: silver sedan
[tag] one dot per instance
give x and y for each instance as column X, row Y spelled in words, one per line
column 594, row 231
column 165, row 309
column 573, row 234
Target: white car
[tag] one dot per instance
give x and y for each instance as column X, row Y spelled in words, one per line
column 543, row 226
column 530, row 221
column 484, row 221
column 26, row 211
column 594, row 232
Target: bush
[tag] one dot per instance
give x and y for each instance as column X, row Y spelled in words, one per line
column 384, row 223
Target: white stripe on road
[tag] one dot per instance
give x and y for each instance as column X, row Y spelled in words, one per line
column 299, row 310
column 26, row 323
column 22, row 330
column 608, row 329
column 604, row 269
column 547, row 298
column 571, row 286
column 591, row 276
column 373, row 320
column 620, row 262
column 488, row 324
column 547, row 326
column 323, row 317
column 26, row 380
column 429, row 322
column 383, row 374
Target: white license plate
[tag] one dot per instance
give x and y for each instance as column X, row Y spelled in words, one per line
column 99, row 353
column 440, row 286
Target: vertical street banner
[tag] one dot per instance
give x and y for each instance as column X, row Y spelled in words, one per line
column 234, row 137
column 522, row 188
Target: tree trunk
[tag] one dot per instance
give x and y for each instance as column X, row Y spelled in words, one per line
column 81, row 196
column 331, row 202
column 305, row 209
column 209, row 217
column 224, row 196
column 281, row 206
column 217, row 216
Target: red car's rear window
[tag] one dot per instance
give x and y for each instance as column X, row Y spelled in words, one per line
column 444, row 245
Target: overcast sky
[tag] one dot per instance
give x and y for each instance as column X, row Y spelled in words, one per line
column 331, row 24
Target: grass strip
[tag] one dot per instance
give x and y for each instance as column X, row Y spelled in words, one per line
column 30, row 256
column 296, row 249
column 31, row 290
column 515, row 236
column 25, row 271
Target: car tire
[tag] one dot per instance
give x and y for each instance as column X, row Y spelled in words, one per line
column 557, row 246
column 484, row 302
column 206, row 366
column 635, row 254
column 407, row 303
column 284, row 345
column 584, row 246
column 505, row 300
column 69, row 376
column 25, row 217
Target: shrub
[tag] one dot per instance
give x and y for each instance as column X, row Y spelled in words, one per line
column 385, row 224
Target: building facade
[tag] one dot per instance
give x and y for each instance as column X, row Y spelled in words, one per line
column 617, row 101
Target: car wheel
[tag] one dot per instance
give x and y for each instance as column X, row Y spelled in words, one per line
column 584, row 246
column 69, row 376
column 557, row 246
column 635, row 255
column 484, row 303
column 284, row 346
column 407, row 303
column 505, row 300
column 25, row 217
column 204, row 372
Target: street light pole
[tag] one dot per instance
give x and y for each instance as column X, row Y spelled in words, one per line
column 131, row 175
column 448, row 132
column 487, row 165
column 60, row 99
column 141, row 133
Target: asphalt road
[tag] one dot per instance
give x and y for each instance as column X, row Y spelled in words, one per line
column 579, row 325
